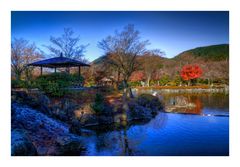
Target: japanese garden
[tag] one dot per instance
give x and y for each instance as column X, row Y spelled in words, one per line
column 131, row 100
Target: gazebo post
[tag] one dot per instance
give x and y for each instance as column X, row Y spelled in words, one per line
column 41, row 70
column 79, row 71
column 68, row 69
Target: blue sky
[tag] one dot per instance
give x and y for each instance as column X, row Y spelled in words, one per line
column 172, row 32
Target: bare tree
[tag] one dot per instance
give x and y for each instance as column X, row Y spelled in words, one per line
column 216, row 70
column 123, row 48
column 68, row 45
column 23, row 53
column 151, row 63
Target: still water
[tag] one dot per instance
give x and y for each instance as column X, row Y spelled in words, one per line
column 202, row 128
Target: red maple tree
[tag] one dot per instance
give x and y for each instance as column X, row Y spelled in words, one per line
column 190, row 72
column 137, row 76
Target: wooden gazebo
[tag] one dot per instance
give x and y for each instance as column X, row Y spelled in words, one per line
column 59, row 62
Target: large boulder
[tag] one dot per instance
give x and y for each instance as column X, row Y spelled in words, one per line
column 23, row 97
column 138, row 112
column 50, row 137
column 63, row 110
column 20, row 144
column 37, row 101
column 89, row 120
column 43, row 104
column 149, row 101
column 145, row 106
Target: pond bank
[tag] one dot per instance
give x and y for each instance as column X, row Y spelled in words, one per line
column 49, row 127
column 183, row 89
column 68, row 127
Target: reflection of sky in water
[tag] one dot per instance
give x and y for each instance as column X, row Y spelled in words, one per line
column 168, row 134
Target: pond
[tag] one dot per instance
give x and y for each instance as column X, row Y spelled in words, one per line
column 199, row 129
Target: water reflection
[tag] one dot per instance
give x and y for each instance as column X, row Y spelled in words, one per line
column 123, row 139
column 169, row 133
column 183, row 104
column 194, row 103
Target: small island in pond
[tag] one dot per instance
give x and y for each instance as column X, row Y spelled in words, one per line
column 131, row 100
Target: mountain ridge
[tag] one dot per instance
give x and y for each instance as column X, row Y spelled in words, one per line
column 211, row 52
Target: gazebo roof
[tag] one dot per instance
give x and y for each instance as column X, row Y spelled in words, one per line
column 58, row 62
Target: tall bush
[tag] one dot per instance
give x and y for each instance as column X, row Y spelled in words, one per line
column 98, row 105
column 55, row 84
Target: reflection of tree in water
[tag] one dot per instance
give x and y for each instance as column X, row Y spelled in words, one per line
column 198, row 105
column 102, row 142
column 126, row 140
column 215, row 101
column 160, row 122
column 124, row 143
column 130, row 139
column 212, row 101
column 114, row 141
column 194, row 103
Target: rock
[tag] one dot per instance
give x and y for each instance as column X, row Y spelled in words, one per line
column 39, row 101
column 43, row 102
column 75, row 126
column 63, row 110
column 67, row 105
column 105, row 119
column 58, row 113
column 69, row 146
column 23, row 98
column 74, row 148
column 21, row 145
column 144, row 107
column 138, row 112
column 89, row 120
column 42, row 150
column 50, row 137
column 149, row 101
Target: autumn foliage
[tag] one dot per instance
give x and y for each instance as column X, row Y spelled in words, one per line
column 190, row 72
column 137, row 76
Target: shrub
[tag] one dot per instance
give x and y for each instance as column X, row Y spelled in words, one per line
column 98, row 105
column 202, row 81
column 164, row 80
column 55, row 84
column 172, row 83
column 90, row 82
column 18, row 84
column 75, row 79
column 135, row 83
column 149, row 101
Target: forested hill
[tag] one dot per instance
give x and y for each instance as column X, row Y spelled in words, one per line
column 99, row 60
column 212, row 59
column 213, row 52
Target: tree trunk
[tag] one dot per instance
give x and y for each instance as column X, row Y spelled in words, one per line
column 118, row 78
column 148, row 81
column 67, row 70
column 189, row 82
column 130, row 92
column 18, row 75
column 125, row 104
